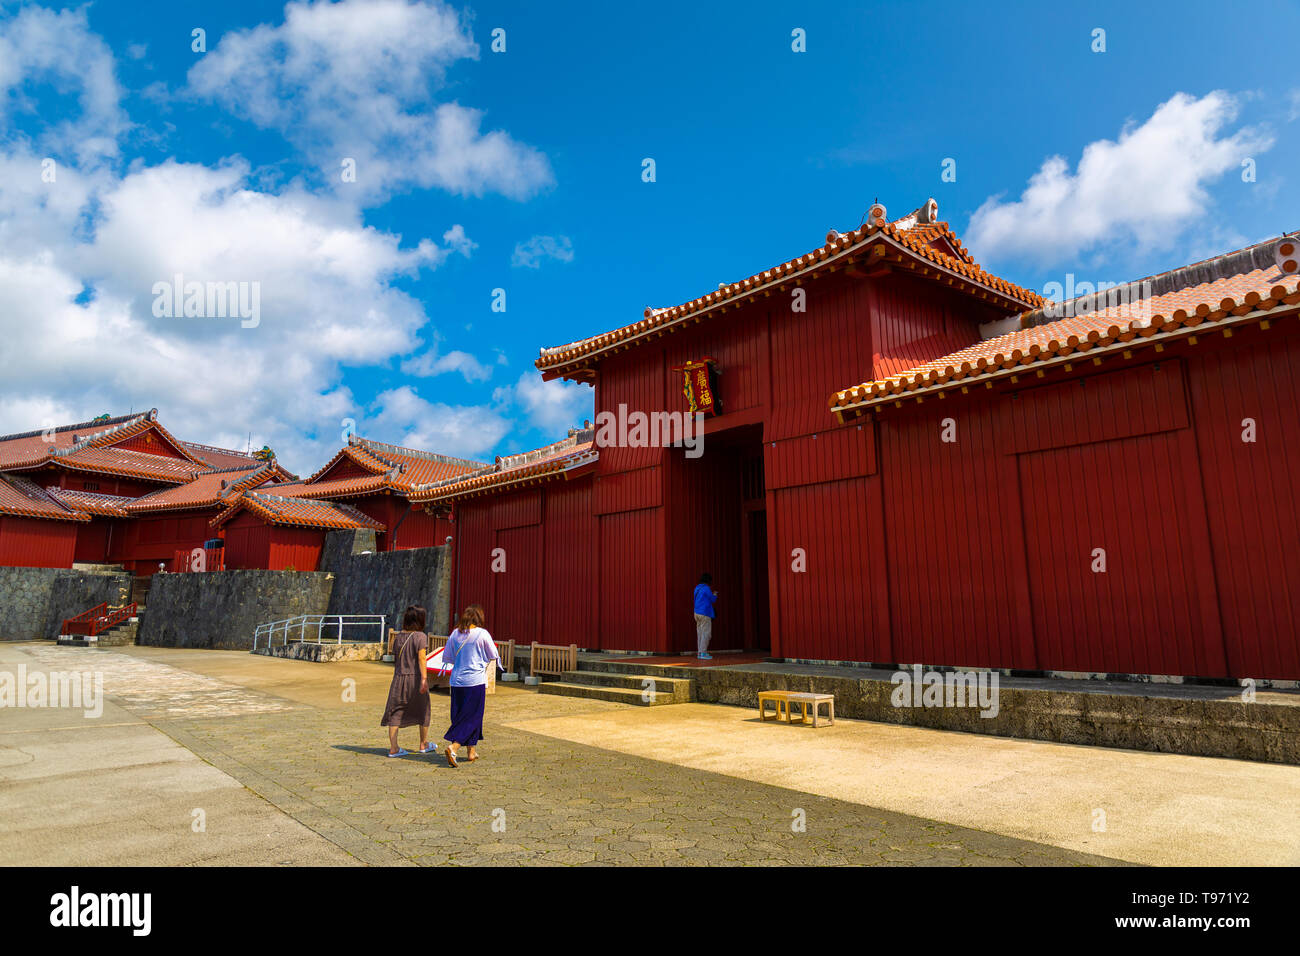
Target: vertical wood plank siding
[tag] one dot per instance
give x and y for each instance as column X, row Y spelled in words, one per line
column 36, row 543
column 973, row 552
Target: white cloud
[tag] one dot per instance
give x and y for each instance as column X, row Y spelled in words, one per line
column 79, row 258
column 552, row 406
column 357, row 79
column 529, row 255
column 456, row 239
column 464, row 431
column 432, row 362
column 41, row 46
column 1146, row 187
column 327, row 302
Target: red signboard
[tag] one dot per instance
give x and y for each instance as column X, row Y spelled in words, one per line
column 700, row 386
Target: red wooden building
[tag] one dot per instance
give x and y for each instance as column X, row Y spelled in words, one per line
column 36, row 528
column 125, row 491
column 275, row 533
column 131, row 493
column 1108, row 491
column 376, row 479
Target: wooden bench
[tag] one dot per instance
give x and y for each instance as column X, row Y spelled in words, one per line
column 552, row 659
column 782, row 699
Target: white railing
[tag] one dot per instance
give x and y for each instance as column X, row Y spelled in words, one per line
column 323, row 629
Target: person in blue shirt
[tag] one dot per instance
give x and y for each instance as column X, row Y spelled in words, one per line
column 705, row 597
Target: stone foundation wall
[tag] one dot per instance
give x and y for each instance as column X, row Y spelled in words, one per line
column 221, row 609
column 324, row 653
column 386, row 582
column 35, row 601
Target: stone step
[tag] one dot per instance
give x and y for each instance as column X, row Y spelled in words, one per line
column 622, row 695
column 680, row 687
column 119, row 636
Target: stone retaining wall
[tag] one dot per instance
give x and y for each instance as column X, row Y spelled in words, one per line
column 386, row 582
column 34, row 602
column 324, row 653
column 1198, row 724
column 221, row 609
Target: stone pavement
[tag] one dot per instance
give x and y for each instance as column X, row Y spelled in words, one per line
column 303, row 740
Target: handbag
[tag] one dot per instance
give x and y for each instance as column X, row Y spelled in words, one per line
column 441, row 666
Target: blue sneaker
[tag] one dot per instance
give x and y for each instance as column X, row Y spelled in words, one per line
column 704, row 657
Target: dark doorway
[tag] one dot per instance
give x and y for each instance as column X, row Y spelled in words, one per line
column 717, row 523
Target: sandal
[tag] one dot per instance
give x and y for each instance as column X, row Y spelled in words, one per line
column 401, row 753
column 451, row 757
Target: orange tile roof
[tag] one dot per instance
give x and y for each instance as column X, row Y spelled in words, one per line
column 391, row 467
column 304, row 513
column 126, row 463
column 340, row 487
column 23, row 498
column 297, row 512
column 34, row 447
column 221, row 457
column 912, row 239
column 208, row 488
column 93, row 447
column 92, row 503
column 556, row 460
column 1220, row 300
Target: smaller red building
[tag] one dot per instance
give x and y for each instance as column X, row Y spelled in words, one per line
column 522, row 548
column 377, row 479
column 36, row 528
column 275, row 533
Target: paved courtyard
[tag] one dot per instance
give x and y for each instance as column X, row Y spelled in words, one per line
column 213, row 757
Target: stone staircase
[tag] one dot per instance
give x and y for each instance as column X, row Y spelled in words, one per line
column 642, row 690
column 123, row 634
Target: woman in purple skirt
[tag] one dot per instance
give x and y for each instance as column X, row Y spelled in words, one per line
column 408, row 695
column 472, row 651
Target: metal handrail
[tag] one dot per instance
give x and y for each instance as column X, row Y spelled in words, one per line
column 305, row 622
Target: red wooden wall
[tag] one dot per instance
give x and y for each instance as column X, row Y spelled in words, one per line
column 418, row 529
column 548, row 588
column 141, row 543
column 982, row 552
column 296, row 549
column 94, row 539
column 36, row 542
column 248, row 542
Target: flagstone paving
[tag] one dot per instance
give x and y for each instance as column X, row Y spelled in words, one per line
column 319, row 758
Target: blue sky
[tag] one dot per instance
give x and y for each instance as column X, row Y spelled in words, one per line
column 522, row 171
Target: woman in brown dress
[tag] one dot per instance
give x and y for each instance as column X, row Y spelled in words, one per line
column 408, row 696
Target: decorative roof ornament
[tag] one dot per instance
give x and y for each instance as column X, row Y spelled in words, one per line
column 1287, row 255
column 264, row 454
